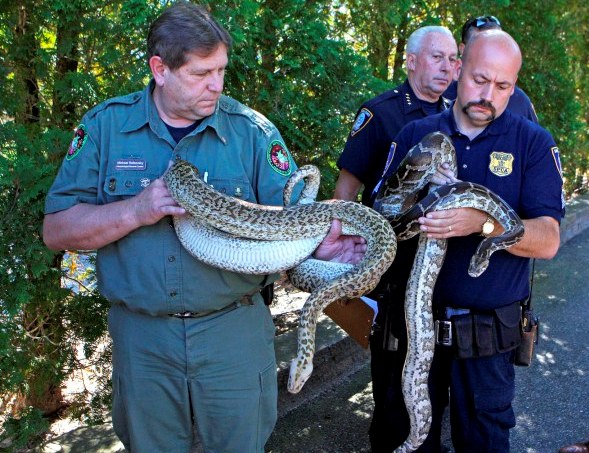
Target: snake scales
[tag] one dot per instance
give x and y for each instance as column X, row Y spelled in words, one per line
column 230, row 225
column 396, row 200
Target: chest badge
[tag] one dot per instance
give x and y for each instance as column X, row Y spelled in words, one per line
column 501, row 164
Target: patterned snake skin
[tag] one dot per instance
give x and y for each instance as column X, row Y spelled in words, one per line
column 234, row 228
column 396, row 200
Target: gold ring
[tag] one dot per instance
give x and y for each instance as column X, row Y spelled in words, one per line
column 449, row 227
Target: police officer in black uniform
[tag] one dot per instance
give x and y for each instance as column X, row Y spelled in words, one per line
column 473, row 368
column 519, row 102
column 431, row 58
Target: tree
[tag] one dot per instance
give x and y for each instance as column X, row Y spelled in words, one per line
column 306, row 65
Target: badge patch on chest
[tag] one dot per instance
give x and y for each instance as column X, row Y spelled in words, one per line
column 78, row 142
column 362, row 120
column 279, row 158
column 501, row 164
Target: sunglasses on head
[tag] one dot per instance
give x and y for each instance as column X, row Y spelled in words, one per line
column 480, row 22
column 483, row 20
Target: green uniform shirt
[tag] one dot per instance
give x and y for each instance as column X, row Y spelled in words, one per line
column 122, row 145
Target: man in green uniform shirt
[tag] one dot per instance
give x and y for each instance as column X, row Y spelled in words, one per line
column 190, row 342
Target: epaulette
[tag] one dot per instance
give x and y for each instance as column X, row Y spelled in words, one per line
column 128, row 99
column 234, row 107
column 384, row 97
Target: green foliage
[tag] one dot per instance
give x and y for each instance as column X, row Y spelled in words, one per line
column 19, row 432
column 306, row 65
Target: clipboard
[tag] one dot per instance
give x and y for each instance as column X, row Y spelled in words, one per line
column 355, row 318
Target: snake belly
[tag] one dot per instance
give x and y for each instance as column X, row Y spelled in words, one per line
column 236, row 225
column 397, row 201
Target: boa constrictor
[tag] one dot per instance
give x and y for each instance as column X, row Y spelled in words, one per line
column 397, row 201
column 239, row 236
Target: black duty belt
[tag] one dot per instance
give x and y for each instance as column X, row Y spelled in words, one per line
column 245, row 300
column 443, row 327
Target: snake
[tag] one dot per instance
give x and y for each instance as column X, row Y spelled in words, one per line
column 240, row 236
column 397, row 200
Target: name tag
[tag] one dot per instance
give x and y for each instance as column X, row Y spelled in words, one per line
column 130, row 164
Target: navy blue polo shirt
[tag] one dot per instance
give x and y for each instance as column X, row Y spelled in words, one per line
column 516, row 159
column 377, row 123
column 519, row 102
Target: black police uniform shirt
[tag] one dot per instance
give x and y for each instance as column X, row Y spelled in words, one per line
column 377, row 123
column 519, row 102
column 518, row 160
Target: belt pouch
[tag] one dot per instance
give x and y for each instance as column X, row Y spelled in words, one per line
column 508, row 327
column 483, row 333
column 463, row 335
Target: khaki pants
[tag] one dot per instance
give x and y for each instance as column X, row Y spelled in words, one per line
column 218, row 372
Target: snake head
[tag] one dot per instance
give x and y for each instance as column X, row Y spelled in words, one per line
column 300, row 372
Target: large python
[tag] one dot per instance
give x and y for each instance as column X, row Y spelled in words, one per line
column 231, row 226
column 396, row 200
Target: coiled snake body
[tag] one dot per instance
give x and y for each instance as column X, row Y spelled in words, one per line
column 415, row 171
column 232, row 226
column 242, row 237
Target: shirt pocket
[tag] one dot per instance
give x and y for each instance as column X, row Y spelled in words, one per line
column 119, row 185
column 234, row 187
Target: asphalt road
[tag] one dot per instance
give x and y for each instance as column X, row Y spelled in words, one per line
column 552, row 396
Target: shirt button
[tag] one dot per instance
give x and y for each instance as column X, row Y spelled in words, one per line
column 464, row 166
column 171, row 258
column 173, row 294
column 467, row 147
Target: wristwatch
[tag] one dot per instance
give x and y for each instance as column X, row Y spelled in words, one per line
column 488, row 227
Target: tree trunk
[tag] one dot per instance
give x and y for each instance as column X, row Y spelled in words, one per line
column 64, row 111
column 25, row 52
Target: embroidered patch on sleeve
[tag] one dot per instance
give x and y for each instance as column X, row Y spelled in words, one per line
column 78, row 142
column 362, row 120
column 279, row 158
column 390, row 158
column 556, row 157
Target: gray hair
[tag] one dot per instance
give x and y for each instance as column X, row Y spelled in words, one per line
column 185, row 28
column 415, row 41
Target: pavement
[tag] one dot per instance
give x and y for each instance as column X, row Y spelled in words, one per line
column 332, row 412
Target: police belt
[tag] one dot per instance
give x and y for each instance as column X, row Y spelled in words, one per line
column 245, row 300
column 479, row 333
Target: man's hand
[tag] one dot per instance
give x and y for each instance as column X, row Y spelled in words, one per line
column 449, row 223
column 444, row 175
column 153, row 203
column 341, row 248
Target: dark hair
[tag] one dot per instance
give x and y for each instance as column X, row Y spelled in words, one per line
column 185, row 28
column 480, row 23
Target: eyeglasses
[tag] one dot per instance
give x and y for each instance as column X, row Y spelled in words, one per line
column 481, row 23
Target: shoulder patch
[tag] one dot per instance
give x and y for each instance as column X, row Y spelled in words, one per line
column 390, row 157
column 556, row 157
column 501, row 164
column 362, row 120
column 279, row 158
column 78, row 142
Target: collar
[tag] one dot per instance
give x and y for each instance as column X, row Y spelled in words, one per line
column 498, row 126
column 411, row 102
column 145, row 112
